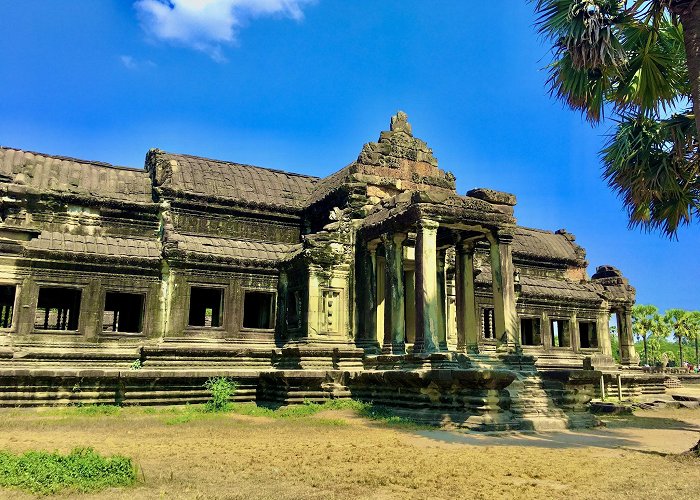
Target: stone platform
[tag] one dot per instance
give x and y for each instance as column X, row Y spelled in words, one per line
column 487, row 393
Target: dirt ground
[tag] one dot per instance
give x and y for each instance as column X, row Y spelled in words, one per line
column 339, row 455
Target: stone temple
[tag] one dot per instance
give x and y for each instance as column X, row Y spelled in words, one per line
column 378, row 282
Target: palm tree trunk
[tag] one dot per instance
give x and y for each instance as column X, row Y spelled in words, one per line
column 680, row 349
column 697, row 359
column 690, row 19
column 646, row 355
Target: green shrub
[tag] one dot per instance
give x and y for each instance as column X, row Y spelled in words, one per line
column 221, row 389
column 82, row 470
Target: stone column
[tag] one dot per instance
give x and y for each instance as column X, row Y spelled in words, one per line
column 410, row 291
column 603, row 331
column 394, row 320
column 546, row 330
column 467, row 320
column 370, row 292
column 282, row 306
column 381, row 303
column 628, row 354
column 441, row 299
column 575, row 334
column 426, row 287
column 502, row 273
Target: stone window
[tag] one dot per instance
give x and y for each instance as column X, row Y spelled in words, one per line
column 588, row 334
column 331, row 311
column 487, row 324
column 206, row 307
column 57, row 309
column 258, row 310
column 561, row 336
column 7, row 305
column 123, row 312
column 530, row 331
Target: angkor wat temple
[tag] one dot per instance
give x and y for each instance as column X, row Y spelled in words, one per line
column 379, row 281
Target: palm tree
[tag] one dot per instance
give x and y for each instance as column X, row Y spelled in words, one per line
column 695, row 333
column 680, row 322
column 660, row 330
column 642, row 324
column 641, row 60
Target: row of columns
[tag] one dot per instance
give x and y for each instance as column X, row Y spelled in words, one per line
column 430, row 292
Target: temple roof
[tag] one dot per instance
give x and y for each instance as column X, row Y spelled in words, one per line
column 63, row 175
column 550, row 288
column 561, row 289
column 540, row 244
column 103, row 246
column 229, row 181
column 227, row 249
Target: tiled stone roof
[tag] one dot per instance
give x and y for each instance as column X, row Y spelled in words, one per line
column 231, row 249
column 231, row 181
column 105, row 246
column 550, row 288
column 330, row 183
column 58, row 174
column 540, row 244
column 560, row 289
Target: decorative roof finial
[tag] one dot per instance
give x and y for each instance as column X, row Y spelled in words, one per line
column 399, row 123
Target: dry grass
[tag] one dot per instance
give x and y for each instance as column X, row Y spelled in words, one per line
column 339, row 455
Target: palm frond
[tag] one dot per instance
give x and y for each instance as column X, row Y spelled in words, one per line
column 655, row 76
column 654, row 167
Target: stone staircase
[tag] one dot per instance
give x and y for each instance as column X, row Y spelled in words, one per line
column 672, row 382
column 536, row 401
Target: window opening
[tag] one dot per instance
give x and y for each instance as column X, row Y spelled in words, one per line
column 57, row 309
column 206, row 307
column 588, row 334
column 7, row 305
column 487, row 323
column 258, row 310
column 560, row 333
column 123, row 312
column 530, row 331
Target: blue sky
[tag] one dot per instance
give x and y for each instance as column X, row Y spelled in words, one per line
column 301, row 85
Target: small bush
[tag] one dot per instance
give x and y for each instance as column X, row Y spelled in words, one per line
column 82, row 470
column 221, row 389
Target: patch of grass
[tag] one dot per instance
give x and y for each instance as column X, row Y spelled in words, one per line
column 221, row 389
column 81, row 470
column 329, row 422
column 86, row 411
column 388, row 417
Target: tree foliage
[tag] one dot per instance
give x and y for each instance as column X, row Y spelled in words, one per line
column 654, row 330
column 630, row 58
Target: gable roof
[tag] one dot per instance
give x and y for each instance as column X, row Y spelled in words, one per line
column 230, row 181
column 540, row 244
column 64, row 175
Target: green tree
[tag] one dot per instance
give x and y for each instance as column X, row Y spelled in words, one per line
column 642, row 323
column 694, row 333
column 680, row 322
column 641, row 60
column 660, row 331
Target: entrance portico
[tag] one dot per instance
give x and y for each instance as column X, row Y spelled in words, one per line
column 432, row 228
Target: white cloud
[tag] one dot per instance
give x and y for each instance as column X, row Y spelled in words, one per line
column 129, row 62
column 207, row 25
